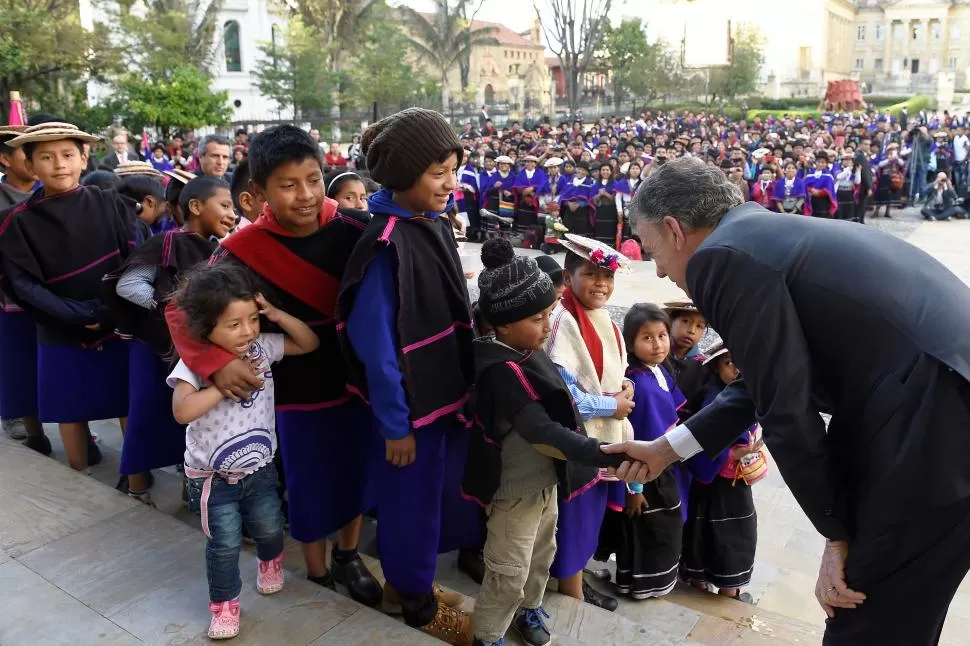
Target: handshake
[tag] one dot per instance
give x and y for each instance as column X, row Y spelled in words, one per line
column 642, row 461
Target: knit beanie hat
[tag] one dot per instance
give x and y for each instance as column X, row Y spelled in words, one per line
column 400, row 148
column 511, row 288
column 549, row 265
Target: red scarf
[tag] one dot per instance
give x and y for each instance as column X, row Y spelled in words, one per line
column 267, row 219
column 592, row 339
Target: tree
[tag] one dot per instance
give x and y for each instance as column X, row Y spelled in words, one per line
column 160, row 32
column 741, row 76
column 574, row 36
column 382, row 54
column 444, row 40
column 334, row 23
column 185, row 100
column 44, row 49
column 638, row 68
column 466, row 20
column 290, row 73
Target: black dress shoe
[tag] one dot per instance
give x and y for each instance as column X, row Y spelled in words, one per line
column 472, row 563
column 596, row 598
column 94, row 453
column 358, row 580
column 39, row 443
column 600, row 574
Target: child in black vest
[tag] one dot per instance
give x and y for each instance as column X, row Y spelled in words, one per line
column 527, row 427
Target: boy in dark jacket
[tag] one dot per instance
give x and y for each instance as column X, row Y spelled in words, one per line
column 527, row 428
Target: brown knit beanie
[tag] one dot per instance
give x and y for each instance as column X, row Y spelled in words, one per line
column 401, row 147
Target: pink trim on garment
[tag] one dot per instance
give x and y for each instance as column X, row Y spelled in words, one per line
column 436, row 337
column 441, row 412
column 83, row 269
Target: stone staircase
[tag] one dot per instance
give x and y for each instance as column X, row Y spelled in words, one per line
column 83, row 564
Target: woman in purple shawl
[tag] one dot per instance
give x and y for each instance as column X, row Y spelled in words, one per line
column 789, row 193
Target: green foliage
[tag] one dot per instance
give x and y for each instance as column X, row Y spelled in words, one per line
column 290, row 72
column 44, row 48
column 881, row 101
column 741, row 76
column 162, row 32
column 794, row 103
column 639, row 68
column 913, row 105
column 333, row 23
column 781, row 114
column 184, row 101
column 381, row 53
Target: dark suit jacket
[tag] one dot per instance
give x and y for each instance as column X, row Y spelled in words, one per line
column 111, row 162
column 831, row 316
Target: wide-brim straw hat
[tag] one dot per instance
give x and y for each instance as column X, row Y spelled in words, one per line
column 531, row 158
column 52, row 131
column 15, row 131
column 137, row 168
column 596, row 252
column 179, row 175
column 553, row 161
column 503, row 159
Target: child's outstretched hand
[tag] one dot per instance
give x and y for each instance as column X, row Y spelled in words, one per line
column 636, row 504
column 401, row 452
column 624, row 404
column 266, row 309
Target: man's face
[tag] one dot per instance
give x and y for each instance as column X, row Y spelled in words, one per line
column 15, row 164
column 666, row 244
column 315, row 135
column 120, row 144
column 215, row 159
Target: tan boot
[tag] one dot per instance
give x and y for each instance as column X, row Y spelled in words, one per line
column 451, row 626
column 391, row 604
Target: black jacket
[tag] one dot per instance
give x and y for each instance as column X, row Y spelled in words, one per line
column 831, row 316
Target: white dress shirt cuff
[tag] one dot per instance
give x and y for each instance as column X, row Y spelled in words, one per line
column 683, row 443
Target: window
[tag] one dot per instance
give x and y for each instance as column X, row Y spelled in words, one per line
column 917, row 31
column 936, row 30
column 859, row 64
column 954, row 31
column 510, row 69
column 934, row 65
column 914, row 66
column 877, row 64
column 230, row 37
column 952, row 63
column 880, row 32
column 860, row 33
column 897, row 31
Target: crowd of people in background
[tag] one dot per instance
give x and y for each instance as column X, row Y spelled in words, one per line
column 347, row 255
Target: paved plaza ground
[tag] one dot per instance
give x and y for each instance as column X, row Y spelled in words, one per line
column 81, row 564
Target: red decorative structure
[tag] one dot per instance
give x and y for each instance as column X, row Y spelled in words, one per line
column 842, row 96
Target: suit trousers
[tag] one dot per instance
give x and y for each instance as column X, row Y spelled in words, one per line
column 910, row 561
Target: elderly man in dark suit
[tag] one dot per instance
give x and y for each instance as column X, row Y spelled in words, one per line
column 829, row 316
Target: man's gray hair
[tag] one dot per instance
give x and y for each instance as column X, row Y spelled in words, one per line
column 213, row 139
column 688, row 190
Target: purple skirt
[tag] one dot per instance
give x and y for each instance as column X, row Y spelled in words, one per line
column 153, row 438
column 328, row 455
column 420, row 510
column 578, row 529
column 76, row 384
column 18, row 365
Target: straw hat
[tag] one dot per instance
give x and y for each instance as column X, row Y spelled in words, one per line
column 178, row 175
column 596, row 252
column 503, row 159
column 51, row 131
column 553, row 161
column 531, row 158
column 137, row 168
column 7, row 131
column 714, row 352
column 683, row 305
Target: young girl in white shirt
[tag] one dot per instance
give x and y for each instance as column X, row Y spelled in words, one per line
column 229, row 445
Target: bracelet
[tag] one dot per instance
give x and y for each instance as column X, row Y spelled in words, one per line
column 635, row 487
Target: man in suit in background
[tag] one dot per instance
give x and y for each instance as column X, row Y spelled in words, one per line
column 120, row 154
column 840, row 318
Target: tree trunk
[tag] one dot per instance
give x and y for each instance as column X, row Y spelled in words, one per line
column 616, row 96
column 572, row 90
column 464, row 67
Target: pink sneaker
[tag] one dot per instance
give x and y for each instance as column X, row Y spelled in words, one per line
column 269, row 577
column 225, row 619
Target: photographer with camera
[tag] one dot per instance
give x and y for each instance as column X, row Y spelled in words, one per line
column 942, row 202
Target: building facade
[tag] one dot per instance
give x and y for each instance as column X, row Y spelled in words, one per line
column 242, row 26
column 912, row 46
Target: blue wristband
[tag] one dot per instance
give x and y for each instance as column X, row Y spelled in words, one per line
column 635, row 487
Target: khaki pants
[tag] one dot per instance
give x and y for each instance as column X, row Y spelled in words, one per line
column 519, row 550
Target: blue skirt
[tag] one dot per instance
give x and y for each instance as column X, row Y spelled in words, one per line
column 153, row 439
column 76, row 384
column 327, row 457
column 18, row 365
column 578, row 529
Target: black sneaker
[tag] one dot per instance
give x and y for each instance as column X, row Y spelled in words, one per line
column 94, row 453
column 39, row 443
column 531, row 626
column 326, row 581
column 596, row 598
column 358, row 580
